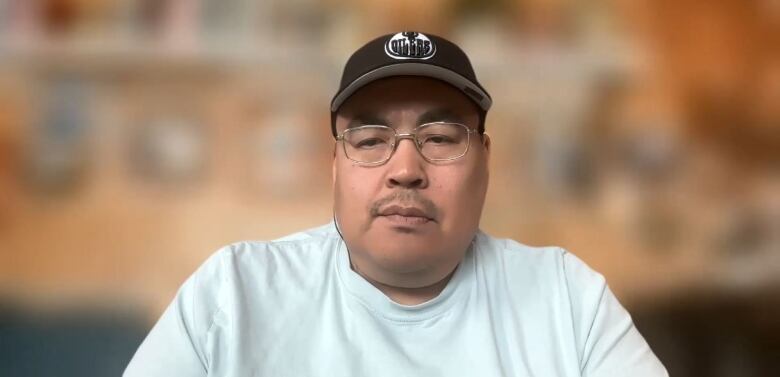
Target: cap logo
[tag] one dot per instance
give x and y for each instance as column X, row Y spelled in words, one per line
column 410, row 45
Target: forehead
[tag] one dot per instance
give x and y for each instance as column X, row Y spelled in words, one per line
column 396, row 97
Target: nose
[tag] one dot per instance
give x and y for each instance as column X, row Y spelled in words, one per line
column 406, row 167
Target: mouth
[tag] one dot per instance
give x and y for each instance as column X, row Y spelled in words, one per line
column 405, row 215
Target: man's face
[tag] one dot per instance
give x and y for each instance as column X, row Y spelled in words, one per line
column 408, row 222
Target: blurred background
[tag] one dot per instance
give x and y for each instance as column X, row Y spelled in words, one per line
column 138, row 136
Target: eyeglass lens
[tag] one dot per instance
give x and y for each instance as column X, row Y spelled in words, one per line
column 435, row 141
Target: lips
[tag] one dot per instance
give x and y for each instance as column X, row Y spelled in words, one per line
column 405, row 215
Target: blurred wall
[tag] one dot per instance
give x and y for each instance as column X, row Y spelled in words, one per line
column 138, row 136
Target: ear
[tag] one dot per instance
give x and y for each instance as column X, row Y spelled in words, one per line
column 486, row 143
column 333, row 167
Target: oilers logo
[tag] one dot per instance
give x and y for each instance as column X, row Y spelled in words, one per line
column 410, row 45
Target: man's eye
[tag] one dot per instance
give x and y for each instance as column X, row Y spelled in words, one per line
column 370, row 143
column 438, row 139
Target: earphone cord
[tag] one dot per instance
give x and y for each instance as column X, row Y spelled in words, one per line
column 337, row 225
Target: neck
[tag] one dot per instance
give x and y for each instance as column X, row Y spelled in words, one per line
column 409, row 296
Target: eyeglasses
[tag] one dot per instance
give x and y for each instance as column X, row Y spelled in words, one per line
column 436, row 142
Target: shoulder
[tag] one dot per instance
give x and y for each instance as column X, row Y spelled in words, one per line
column 546, row 258
column 310, row 244
column 511, row 250
column 250, row 262
column 547, row 267
column 555, row 282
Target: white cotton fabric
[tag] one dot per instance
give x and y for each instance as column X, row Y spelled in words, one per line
column 293, row 307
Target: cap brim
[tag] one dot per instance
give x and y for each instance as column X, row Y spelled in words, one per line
column 474, row 92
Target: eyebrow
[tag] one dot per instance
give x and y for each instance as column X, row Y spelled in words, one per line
column 441, row 114
column 365, row 119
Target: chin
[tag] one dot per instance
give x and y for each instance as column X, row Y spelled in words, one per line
column 402, row 262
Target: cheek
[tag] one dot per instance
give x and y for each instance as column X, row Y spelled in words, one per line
column 460, row 194
column 345, row 188
column 353, row 190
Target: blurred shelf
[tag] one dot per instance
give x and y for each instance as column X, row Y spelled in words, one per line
column 109, row 55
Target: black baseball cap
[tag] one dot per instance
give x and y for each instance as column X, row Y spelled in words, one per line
column 410, row 53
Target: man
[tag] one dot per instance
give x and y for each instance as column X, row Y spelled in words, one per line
column 402, row 283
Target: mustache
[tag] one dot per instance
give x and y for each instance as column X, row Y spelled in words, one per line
column 407, row 197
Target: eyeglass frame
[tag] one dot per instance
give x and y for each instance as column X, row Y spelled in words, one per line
column 407, row 135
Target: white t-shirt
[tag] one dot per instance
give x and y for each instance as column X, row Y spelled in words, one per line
column 293, row 307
